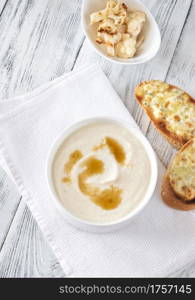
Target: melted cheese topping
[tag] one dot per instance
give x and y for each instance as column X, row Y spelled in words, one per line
column 182, row 172
column 171, row 105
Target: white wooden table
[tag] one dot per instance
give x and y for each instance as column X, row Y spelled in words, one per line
column 41, row 40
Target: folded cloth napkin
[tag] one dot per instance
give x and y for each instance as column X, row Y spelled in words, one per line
column 158, row 242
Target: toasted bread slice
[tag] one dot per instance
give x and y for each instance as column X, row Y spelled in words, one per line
column 178, row 188
column 171, row 110
column 172, row 200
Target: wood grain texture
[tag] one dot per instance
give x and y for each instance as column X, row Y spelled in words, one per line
column 25, row 252
column 171, row 17
column 2, row 6
column 43, row 42
column 40, row 40
column 182, row 68
column 181, row 73
column 9, row 201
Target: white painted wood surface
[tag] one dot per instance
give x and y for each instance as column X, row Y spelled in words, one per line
column 40, row 40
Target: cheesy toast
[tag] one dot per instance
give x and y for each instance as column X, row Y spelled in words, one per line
column 178, row 188
column 171, row 110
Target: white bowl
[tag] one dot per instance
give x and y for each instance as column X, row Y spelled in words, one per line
column 94, row 227
column 151, row 32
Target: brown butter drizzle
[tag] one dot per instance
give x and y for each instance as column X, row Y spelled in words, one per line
column 115, row 148
column 74, row 157
column 107, row 199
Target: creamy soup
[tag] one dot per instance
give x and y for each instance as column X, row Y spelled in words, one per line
column 101, row 172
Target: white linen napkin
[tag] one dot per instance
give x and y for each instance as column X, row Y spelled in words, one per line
column 158, row 242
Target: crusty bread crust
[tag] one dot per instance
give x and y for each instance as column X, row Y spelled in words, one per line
column 169, row 196
column 171, row 199
column 176, row 141
column 184, row 147
column 173, row 140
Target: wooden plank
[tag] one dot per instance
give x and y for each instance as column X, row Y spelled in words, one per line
column 9, row 201
column 171, row 16
column 39, row 41
column 182, row 69
column 2, row 6
column 179, row 70
column 23, row 76
column 25, row 252
column 181, row 73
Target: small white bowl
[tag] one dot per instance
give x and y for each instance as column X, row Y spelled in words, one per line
column 94, row 227
column 151, row 32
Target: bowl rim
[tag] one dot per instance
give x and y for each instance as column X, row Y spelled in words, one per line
column 128, row 61
column 151, row 186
